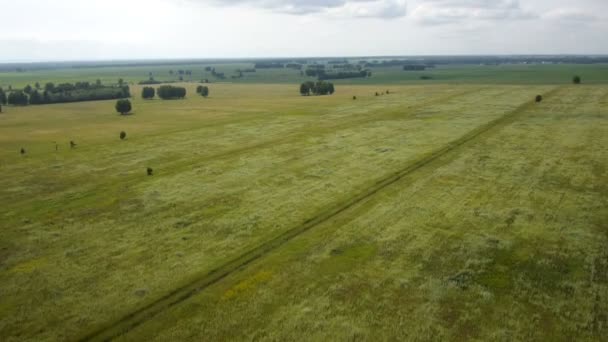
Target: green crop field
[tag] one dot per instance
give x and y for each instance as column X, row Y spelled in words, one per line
column 451, row 209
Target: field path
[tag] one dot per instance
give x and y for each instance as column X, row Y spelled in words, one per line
column 114, row 329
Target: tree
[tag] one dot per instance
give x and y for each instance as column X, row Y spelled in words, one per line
column 149, row 171
column 2, row 98
column 308, row 87
column 539, row 98
column 123, row 135
column 27, row 89
column 199, row 89
column 50, row 86
column 121, row 82
column 98, row 82
column 205, row 91
column 18, row 98
column 576, row 80
column 354, row 97
column 148, row 93
column 166, row 92
column 36, row 98
column 37, row 85
column 123, row 106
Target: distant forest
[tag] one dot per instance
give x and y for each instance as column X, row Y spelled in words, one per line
column 294, row 62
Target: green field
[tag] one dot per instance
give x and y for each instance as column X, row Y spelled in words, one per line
column 500, row 74
column 440, row 211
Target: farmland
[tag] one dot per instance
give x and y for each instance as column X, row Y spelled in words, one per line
column 445, row 210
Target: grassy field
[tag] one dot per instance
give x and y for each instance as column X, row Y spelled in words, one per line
column 468, row 74
column 439, row 211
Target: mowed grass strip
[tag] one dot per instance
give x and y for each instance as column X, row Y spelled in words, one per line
column 502, row 239
column 86, row 260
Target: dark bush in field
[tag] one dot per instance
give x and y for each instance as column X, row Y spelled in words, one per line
column 576, row 80
column 18, row 98
column 354, row 97
column 148, row 93
column 72, row 144
column 318, row 88
column 149, row 171
column 123, row 135
column 204, row 91
column 170, row 92
column 377, row 94
column 123, row 106
column 27, row 89
column 3, row 98
column 22, row 151
column 539, row 98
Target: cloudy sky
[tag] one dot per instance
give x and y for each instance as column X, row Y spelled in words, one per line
column 36, row 30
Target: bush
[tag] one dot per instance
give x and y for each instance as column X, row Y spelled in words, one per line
column 148, row 93
column 204, row 91
column 123, row 135
column 123, row 106
column 539, row 98
column 149, row 171
column 170, row 92
column 354, row 97
column 318, row 88
column 576, row 80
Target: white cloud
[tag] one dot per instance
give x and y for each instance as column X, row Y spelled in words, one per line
column 338, row 8
column 436, row 12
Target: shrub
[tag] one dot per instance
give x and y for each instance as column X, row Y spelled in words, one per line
column 123, row 106
column 539, row 98
column 148, row 93
column 354, row 97
column 150, row 171
column 204, row 91
column 22, row 151
column 576, row 80
column 72, row 144
column 377, row 94
column 123, row 135
column 170, row 92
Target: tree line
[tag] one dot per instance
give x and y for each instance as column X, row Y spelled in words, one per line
column 64, row 93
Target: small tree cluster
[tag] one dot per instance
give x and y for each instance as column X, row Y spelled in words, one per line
column 123, row 106
column 170, row 92
column 576, row 80
column 317, row 88
column 202, row 90
column 148, row 93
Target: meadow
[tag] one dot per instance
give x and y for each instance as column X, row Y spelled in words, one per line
column 455, row 209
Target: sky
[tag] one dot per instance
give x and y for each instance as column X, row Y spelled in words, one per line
column 67, row 30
